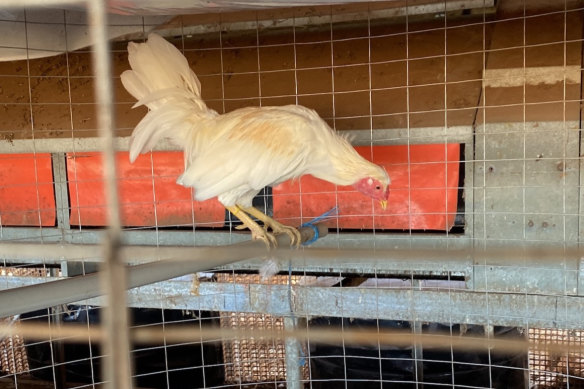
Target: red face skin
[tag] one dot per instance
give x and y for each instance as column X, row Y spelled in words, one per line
column 372, row 188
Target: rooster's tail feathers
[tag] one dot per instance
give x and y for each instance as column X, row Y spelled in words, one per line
column 168, row 122
column 158, row 65
column 162, row 80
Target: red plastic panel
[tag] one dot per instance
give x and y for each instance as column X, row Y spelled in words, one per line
column 423, row 192
column 27, row 196
column 149, row 194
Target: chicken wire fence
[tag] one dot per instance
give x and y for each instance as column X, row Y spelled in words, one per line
column 474, row 110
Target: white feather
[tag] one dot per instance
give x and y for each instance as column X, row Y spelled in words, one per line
column 232, row 156
column 269, row 268
column 162, row 80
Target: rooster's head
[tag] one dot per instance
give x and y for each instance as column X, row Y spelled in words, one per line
column 375, row 187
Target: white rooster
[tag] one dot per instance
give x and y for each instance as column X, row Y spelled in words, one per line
column 234, row 155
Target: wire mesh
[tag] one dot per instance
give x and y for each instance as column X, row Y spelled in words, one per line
column 475, row 111
column 250, row 360
column 13, row 358
column 555, row 370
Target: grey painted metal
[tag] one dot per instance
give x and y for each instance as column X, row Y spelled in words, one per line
column 493, row 271
column 61, row 190
column 426, row 135
column 342, row 241
column 373, row 261
column 84, row 287
column 59, row 162
column 581, row 199
column 528, row 269
column 547, row 279
column 63, row 145
column 447, row 306
column 41, row 3
column 72, row 289
column 484, row 6
column 581, row 277
column 423, row 135
column 417, row 349
column 292, row 345
column 129, row 237
column 468, row 196
column 418, row 356
column 526, row 183
column 442, row 306
column 430, row 10
column 134, row 255
column 216, row 238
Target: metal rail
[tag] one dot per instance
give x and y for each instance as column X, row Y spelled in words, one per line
column 42, row 3
column 544, row 271
column 74, row 289
column 425, row 135
column 118, row 363
column 435, row 305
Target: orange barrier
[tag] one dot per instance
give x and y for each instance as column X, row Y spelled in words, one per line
column 149, row 194
column 27, row 196
column 423, row 192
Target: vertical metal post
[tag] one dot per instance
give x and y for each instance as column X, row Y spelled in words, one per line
column 59, row 356
column 417, row 349
column 61, row 200
column 293, row 373
column 63, row 216
column 61, row 196
column 490, row 334
column 117, row 367
column 418, row 356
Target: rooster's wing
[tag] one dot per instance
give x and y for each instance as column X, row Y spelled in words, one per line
column 234, row 156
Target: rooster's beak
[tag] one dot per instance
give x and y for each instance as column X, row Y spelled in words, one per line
column 383, row 204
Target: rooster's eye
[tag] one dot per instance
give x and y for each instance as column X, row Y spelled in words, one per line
column 377, row 187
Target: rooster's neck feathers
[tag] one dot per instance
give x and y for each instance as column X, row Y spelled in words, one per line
column 342, row 165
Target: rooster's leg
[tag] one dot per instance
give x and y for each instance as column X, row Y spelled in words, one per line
column 257, row 232
column 275, row 226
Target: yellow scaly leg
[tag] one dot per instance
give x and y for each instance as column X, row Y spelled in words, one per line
column 257, row 232
column 275, row 226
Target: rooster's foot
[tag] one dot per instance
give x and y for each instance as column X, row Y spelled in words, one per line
column 268, row 238
column 257, row 232
column 275, row 226
column 293, row 233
